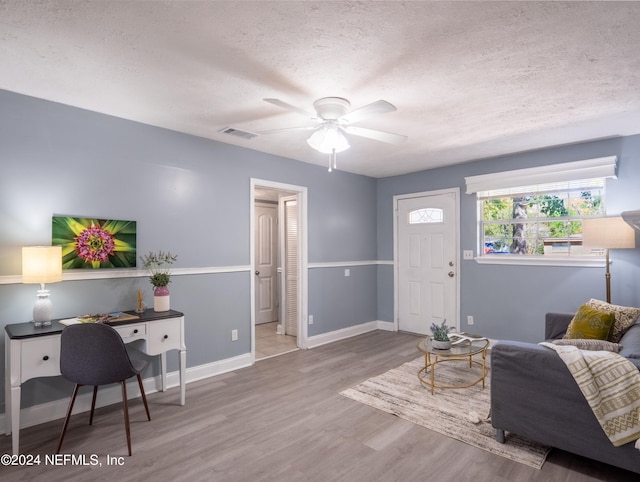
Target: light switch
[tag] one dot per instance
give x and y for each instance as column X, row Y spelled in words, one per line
column 347, row 272
column 467, row 254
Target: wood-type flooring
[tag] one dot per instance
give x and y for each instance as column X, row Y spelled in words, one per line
column 281, row 420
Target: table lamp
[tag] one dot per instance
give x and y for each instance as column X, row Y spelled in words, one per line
column 41, row 265
column 608, row 233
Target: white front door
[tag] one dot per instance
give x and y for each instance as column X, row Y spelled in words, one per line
column 427, row 261
column 265, row 263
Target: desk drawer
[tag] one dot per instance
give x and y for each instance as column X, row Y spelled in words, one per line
column 40, row 357
column 132, row 332
column 164, row 335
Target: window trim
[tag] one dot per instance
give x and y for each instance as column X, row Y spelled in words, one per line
column 568, row 171
column 604, row 167
column 574, row 261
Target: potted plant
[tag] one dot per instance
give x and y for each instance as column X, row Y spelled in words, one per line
column 440, row 339
column 158, row 265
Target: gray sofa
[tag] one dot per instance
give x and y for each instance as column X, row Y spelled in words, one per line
column 534, row 395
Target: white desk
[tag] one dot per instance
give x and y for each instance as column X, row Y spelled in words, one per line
column 32, row 352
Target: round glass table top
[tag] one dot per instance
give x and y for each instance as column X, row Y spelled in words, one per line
column 461, row 349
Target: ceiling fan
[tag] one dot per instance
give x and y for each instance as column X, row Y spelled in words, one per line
column 333, row 121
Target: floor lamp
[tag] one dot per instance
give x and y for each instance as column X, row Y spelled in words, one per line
column 608, row 233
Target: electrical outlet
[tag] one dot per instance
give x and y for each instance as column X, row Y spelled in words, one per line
column 469, row 320
column 347, row 272
column 311, row 319
column 234, row 335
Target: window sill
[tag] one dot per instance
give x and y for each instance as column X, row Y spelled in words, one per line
column 541, row 261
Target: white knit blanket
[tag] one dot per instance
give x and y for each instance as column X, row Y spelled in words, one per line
column 611, row 385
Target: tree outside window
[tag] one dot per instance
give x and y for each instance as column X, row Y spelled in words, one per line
column 539, row 223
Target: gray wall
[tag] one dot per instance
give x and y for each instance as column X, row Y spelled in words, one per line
column 191, row 196
column 188, row 195
column 509, row 302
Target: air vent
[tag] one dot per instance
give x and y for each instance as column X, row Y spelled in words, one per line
column 238, row 133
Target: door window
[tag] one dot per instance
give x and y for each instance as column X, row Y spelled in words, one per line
column 426, row 216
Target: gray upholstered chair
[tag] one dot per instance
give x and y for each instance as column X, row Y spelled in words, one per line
column 94, row 354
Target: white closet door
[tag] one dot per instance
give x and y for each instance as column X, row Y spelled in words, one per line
column 291, row 266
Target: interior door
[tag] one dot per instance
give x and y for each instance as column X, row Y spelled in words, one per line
column 266, row 245
column 427, row 271
column 290, row 265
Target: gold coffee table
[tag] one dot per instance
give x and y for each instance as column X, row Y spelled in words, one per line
column 427, row 375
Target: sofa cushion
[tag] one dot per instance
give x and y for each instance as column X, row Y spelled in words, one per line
column 593, row 345
column 625, row 316
column 630, row 343
column 591, row 323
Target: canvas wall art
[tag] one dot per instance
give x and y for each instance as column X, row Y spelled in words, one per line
column 89, row 243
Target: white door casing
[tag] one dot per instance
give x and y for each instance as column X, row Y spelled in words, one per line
column 426, row 240
column 301, row 194
column 266, row 244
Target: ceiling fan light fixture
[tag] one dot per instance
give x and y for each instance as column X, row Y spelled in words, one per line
column 328, row 139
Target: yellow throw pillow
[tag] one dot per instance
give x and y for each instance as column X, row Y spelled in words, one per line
column 589, row 323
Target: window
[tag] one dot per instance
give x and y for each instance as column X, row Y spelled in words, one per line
column 541, row 220
column 426, row 215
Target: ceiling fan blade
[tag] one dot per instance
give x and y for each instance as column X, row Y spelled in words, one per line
column 366, row 111
column 292, row 108
column 299, row 128
column 381, row 136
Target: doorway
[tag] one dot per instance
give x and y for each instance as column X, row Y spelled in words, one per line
column 279, row 253
column 426, row 240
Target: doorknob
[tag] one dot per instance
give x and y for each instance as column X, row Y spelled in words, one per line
column 257, row 273
column 451, row 274
column 450, row 263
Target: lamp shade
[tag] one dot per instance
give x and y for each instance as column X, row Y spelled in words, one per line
column 609, row 233
column 41, row 264
column 328, row 138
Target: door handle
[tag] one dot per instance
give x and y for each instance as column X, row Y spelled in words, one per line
column 451, row 274
column 450, row 263
column 257, row 273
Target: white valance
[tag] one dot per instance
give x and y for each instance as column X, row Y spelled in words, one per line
column 602, row 167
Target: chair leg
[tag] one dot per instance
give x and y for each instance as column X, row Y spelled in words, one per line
column 93, row 403
column 66, row 420
column 144, row 397
column 126, row 414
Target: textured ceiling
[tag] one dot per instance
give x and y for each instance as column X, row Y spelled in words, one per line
column 469, row 79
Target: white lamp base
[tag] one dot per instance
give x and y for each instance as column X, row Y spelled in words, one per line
column 43, row 309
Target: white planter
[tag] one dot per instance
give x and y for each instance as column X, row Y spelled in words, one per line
column 161, row 303
column 440, row 345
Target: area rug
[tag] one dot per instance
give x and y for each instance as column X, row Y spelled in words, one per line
column 461, row 414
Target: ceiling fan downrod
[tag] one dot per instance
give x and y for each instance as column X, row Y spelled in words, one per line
column 332, row 160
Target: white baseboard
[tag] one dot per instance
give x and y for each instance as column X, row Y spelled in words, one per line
column 323, row 339
column 386, row 326
column 46, row 412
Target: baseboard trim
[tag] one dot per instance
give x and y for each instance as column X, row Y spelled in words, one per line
column 46, row 412
column 323, row 339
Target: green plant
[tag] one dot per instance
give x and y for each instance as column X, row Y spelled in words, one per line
column 440, row 332
column 158, row 265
